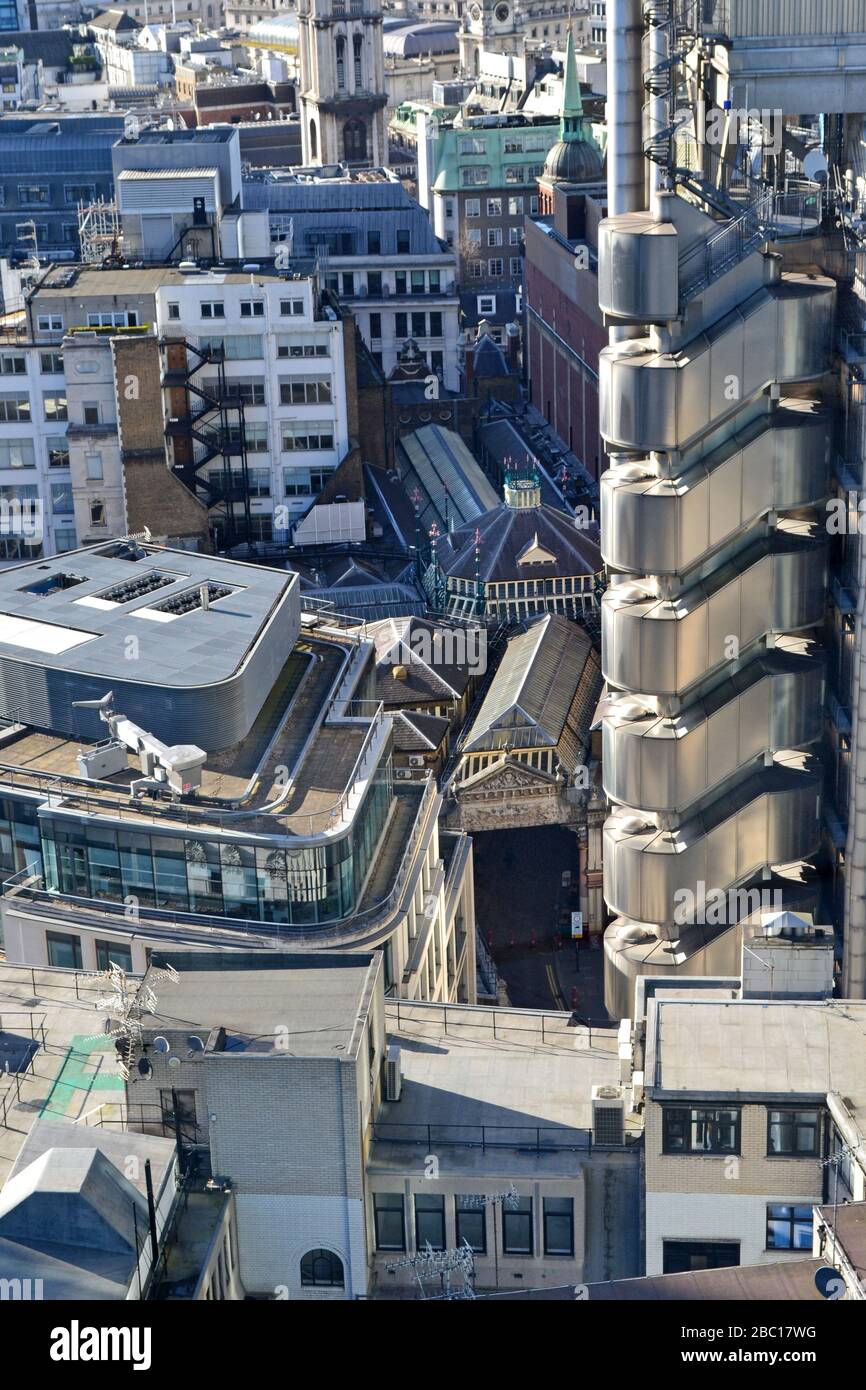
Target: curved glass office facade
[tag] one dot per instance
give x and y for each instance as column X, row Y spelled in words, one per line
column 184, row 873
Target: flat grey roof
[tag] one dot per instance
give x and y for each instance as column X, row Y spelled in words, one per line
column 73, row 628
column 762, row 1047
column 320, row 1000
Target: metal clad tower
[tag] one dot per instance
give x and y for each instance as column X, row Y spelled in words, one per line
column 720, row 442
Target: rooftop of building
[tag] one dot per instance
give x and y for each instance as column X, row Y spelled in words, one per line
column 72, row 1214
column 452, row 486
column 65, row 1069
column 73, row 612
column 200, row 135
column 417, row 660
column 530, row 542
column 762, row 1048
column 527, row 1087
column 779, row 1281
column 544, row 691
column 402, row 39
column 50, row 46
column 288, row 1003
column 843, row 1229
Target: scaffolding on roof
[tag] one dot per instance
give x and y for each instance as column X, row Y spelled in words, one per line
column 99, row 232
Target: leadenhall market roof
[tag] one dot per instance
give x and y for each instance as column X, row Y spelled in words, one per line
column 522, row 538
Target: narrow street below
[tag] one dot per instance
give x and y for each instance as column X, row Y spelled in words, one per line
column 518, row 874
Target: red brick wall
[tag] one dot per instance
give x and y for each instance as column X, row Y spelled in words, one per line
column 566, row 395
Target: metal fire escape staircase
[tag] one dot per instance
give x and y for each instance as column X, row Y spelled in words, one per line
column 212, row 426
column 747, row 219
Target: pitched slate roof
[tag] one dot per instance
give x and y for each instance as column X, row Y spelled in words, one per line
column 404, row 642
column 416, row 732
column 543, row 693
column 509, row 532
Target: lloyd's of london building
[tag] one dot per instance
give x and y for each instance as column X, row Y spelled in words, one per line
column 731, row 409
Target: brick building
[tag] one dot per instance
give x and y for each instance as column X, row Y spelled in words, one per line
column 564, row 328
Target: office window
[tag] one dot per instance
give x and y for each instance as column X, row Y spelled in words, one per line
column 113, row 953
column 494, row 236
column 239, row 347
column 400, row 282
column 256, row 437
column 49, row 323
column 433, row 282
column 322, row 1269
column 301, row 347
column 389, row 1221
column 14, row 410
column 97, row 514
column 91, row 412
column 11, row 364
column 436, row 325
column 515, row 207
column 473, row 236
column 419, row 326
column 517, row 1227
column 213, row 309
column 471, row 145
column 514, row 266
column 374, row 282
column 290, row 307
column 64, row 951
column 494, row 267
column 375, row 325
column 55, row 407
column 298, row 435
column 65, row 539
column 250, row 392
column 17, row 453
column 472, row 207
column 789, row 1227
column 79, row 193
column 471, row 1215
column 402, row 242
column 793, row 1132
column 51, row 363
column 429, row 1221
column 533, row 205
column 475, row 176
column 558, row 1215
column 401, row 325
column 252, row 308
column 374, row 243
column 58, row 450
column 437, row 362
column 32, row 195
column 686, row 1256
column 699, row 1131
column 475, row 270
column 61, row 499
column 174, row 311
column 120, row 318
column 306, row 391
column 514, row 236
column 93, row 464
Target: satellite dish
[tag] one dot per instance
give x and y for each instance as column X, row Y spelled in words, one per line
column 815, row 166
column 144, row 1067
column 174, row 1061
column 161, row 1044
column 194, row 1044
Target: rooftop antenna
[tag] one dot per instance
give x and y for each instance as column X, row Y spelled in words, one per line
column 430, row 1264
column 125, row 1005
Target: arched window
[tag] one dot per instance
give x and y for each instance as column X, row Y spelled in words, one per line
column 357, row 42
column 322, row 1269
column 354, row 142
column 314, row 141
column 341, row 62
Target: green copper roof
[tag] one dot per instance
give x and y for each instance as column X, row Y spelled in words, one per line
column 571, row 119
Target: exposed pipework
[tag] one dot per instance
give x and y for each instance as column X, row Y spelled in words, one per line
column 625, row 161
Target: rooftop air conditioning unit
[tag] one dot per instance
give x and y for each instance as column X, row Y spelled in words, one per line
column 608, row 1116
column 393, row 1073
column 403, row 772
column 416, row 760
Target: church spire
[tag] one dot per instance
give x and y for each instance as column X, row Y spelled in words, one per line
column 571, row 116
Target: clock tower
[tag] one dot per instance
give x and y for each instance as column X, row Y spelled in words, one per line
column 493, row 24
column 342, row 82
